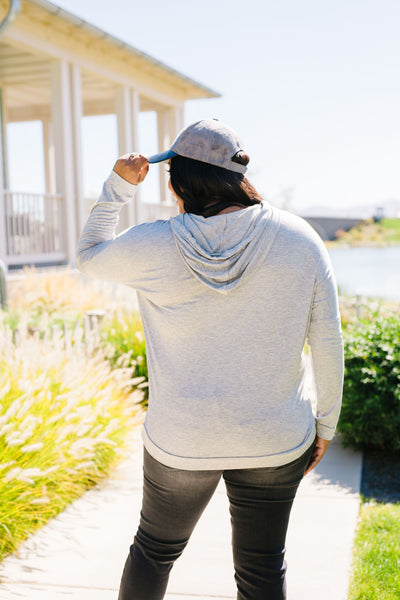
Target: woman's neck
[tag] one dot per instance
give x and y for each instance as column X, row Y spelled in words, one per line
column 230, row 209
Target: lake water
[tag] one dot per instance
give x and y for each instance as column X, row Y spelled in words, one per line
column 368, row 271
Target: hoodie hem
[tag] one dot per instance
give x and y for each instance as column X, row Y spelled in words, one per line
column 199, row 463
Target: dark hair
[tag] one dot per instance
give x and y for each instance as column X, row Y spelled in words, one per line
column 207, row 190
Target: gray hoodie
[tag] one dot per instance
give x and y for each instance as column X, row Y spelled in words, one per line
column 227, row 303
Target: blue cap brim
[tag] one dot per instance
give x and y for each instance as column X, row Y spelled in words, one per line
column 156, row 158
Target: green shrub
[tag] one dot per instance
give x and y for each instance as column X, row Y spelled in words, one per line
column 124, row 346
column 370, row 416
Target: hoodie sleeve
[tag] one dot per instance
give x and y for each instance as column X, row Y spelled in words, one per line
column 99, row 252
column 326, row 345
column 125, row 258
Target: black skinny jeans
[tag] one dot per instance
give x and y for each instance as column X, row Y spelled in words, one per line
column 173, row 501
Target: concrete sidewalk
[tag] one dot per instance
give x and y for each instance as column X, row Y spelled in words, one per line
column 80, row 554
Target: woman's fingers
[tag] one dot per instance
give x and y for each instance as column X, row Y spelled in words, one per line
column 320, row 447
column 132, row 167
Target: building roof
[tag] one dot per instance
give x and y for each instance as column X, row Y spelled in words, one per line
column 103, row 35
column 43, row 32
column 204, row 91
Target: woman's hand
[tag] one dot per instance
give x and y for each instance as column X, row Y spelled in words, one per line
column 320, row 447
column 132, row 167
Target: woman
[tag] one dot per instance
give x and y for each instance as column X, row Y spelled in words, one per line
column 229, row 292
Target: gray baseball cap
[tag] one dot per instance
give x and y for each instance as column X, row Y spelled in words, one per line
column 208, row 141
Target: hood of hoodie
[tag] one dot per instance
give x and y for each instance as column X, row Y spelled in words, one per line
column 222, row 251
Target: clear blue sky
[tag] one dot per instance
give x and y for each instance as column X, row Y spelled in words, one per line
column 312, row 86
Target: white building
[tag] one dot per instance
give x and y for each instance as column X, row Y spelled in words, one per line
column 56, row 68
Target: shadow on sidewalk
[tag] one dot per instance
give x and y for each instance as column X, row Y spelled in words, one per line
column 339, row 472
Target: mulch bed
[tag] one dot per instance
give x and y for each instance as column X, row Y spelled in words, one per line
column 381, row 477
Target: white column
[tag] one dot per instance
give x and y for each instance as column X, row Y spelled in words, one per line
column 49, row 157
column 133, row 207
column 63, row 142
column 169, row 122
column 77, row 115
column 4, row 148
column 166, row 134
column 124, row 123
column 3, row 179
column 123, row 109
column 164, row 142
column 178, row 119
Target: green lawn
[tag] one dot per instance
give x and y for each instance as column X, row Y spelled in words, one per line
column 368, row 233
column 376, row 561
column 392, row 226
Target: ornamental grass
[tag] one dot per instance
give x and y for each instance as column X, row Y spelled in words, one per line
column 65, row 421
column 55, row 292
column 123, row 343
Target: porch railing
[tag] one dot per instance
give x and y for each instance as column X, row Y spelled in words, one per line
column 34, row 227
column 148, row 211
column 152, row 212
